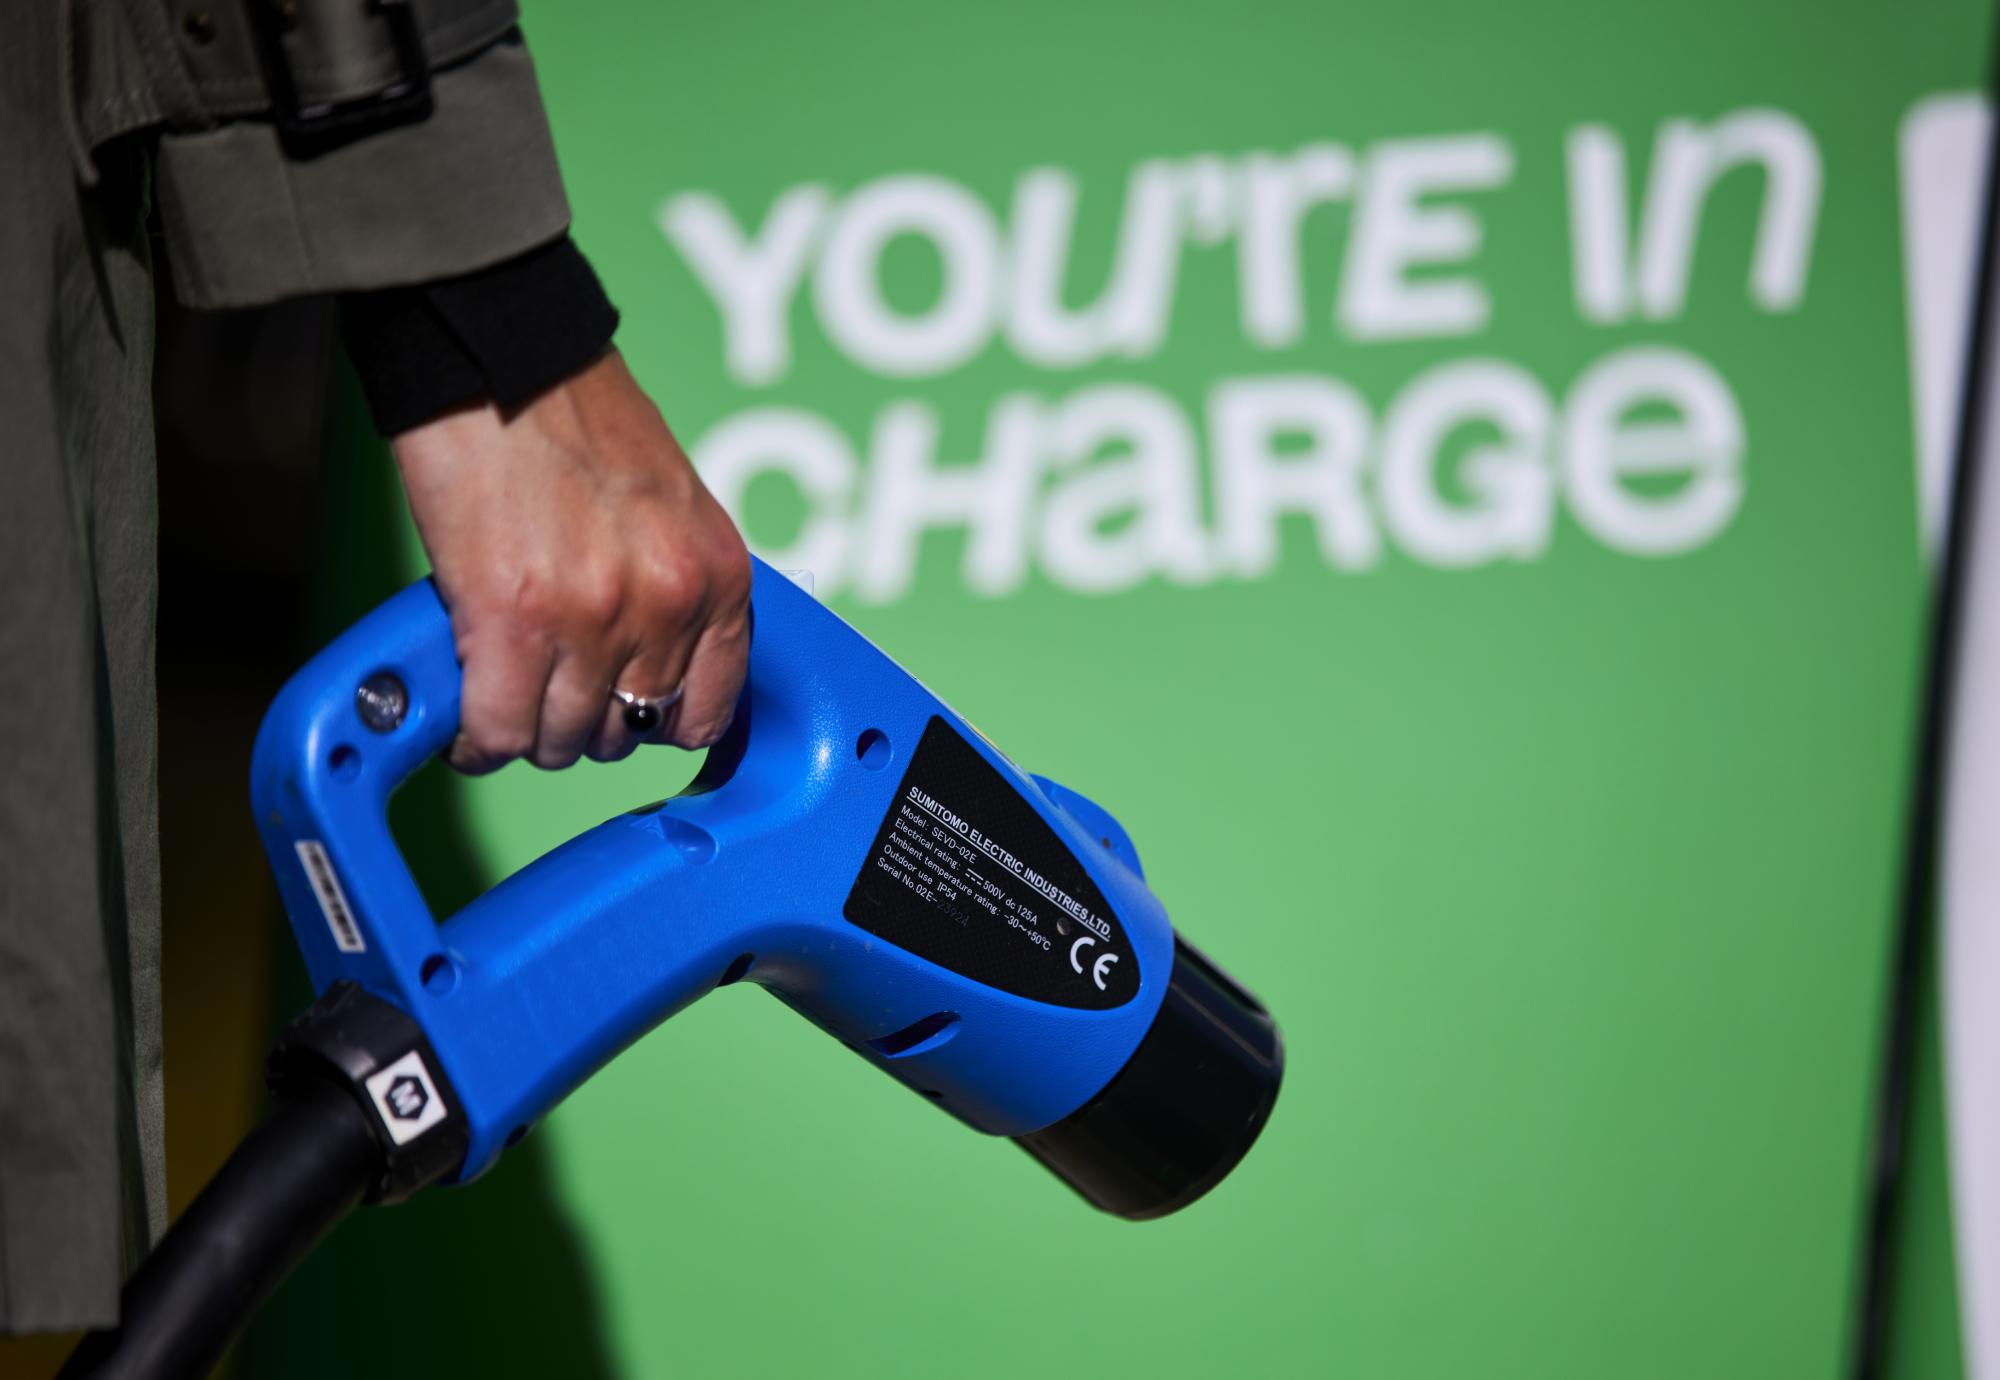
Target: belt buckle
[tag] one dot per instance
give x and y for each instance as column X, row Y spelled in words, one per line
column 308, row 130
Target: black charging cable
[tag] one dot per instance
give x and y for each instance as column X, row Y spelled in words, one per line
column 283, row 1189
column 361, row 1113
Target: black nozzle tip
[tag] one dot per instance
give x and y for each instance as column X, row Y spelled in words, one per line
column 1184, row 1110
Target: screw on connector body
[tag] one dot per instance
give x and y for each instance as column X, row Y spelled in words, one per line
column 382, row 702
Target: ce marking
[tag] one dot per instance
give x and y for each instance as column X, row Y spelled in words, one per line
column 1096, row 969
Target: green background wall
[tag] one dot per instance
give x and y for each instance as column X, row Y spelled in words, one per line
column 1568, row 870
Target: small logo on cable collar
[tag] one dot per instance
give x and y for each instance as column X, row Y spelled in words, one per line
column 406, row 1098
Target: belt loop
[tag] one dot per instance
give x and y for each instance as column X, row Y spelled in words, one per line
column 310, row 129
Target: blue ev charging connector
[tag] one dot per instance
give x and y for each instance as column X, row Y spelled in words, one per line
column 983, row 935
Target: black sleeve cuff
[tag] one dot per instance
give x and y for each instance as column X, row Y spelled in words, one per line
column 506, row 333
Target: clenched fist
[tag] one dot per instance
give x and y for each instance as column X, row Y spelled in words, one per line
column 578, row 552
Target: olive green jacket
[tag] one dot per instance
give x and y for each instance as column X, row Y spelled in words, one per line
column 255, row 208
column 248, row 219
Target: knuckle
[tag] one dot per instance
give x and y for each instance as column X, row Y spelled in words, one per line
column 588, row 594
column 469, row 759
column 600, row 597
column 500, row 744
column 615, row 750
column 702, row 731
column 531, row 600
column 554, row 757
column 672, row 590
column 478, row 633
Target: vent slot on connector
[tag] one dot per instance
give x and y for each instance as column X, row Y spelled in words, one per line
column 918, row 1036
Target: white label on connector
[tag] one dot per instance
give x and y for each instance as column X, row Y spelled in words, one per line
column 332, row 900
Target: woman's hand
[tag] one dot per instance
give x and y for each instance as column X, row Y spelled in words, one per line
column 577, row 551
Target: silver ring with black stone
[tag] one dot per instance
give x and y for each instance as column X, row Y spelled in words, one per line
column 645, row 713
